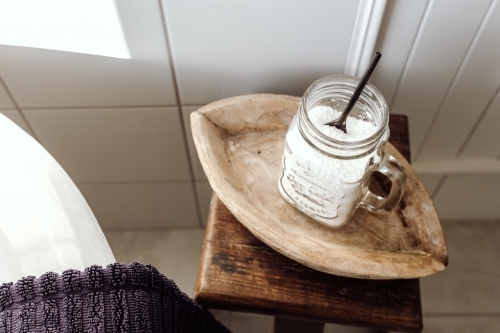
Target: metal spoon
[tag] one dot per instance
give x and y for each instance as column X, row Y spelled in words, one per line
column 340, row 122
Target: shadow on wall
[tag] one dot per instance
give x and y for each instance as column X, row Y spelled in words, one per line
column 199, row 86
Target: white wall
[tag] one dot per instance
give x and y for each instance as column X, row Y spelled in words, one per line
column 442, row 69
column 120, row 126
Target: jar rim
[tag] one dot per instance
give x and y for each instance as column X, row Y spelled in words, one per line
column 334, row 79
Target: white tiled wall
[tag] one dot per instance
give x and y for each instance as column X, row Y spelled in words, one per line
column 16, row 117
column 431, row 182
column 126, row 144
column 142, row 205
column 420, row 91
column 116, row 126
column 397, row 34
column 5, row 101
column 469, row 196
column 45, row 78
column 119, row 129
column 440, row 67
column 226, row 48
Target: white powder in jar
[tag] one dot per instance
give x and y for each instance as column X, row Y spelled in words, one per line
column 357, row 129
column 323, row 187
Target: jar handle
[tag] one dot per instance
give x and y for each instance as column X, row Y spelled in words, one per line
column 390, row 167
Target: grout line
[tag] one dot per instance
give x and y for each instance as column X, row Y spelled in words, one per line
column 410, row 56
column 460, row 315
column 439, row 185
column 98, row 107
column 477, row 123
column 457, row 74
column 130, row 182
column 194, row 105
column 179, row 106
column 23, row 116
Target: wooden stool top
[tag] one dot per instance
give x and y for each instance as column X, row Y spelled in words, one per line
column 238, row 272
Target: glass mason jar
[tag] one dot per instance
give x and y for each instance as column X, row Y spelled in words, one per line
column 328, row 179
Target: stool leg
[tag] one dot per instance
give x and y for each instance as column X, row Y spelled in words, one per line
column 287, row 325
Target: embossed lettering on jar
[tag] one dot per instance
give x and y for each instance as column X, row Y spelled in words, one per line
column 325, row 172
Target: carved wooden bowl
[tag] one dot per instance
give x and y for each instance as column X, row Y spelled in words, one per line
column 240, row 141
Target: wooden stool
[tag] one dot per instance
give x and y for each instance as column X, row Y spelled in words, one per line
column 238, row 272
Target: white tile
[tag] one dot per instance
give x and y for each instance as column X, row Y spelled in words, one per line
column 434, row 60
column 5, row 101
column 47, row 78
column 114, row 144
column 465, row 324
column 472, row 91
column 16, row 118
column 397, row 32
column 175, row 253
column 204, row 192
column 431, row 181
column 142, row 205
column 226, row 48
column 483, row 143
column 195, row 161
column 469, row 196
column 470, row 283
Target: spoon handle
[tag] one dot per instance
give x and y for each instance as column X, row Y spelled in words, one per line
column 361, row 85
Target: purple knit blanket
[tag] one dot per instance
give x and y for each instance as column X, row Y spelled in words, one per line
column 118, row 299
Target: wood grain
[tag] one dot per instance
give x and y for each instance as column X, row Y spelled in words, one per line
column 240, row 144
column 238, row 272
